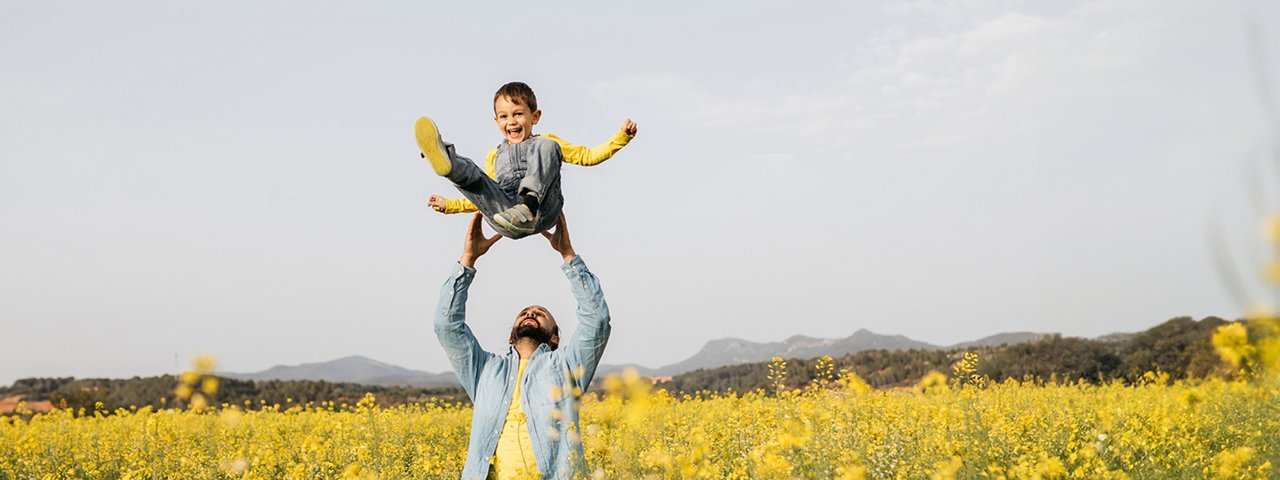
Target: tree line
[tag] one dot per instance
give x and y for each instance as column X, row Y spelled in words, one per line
column 1180, row 347
column 158, row 392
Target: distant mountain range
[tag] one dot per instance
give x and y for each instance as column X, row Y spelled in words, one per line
column 353, row 369
column 716, row 353
column 733, row 351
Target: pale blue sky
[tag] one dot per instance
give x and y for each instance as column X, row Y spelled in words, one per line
column 240, row 178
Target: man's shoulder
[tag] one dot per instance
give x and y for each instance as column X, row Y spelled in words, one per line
column 497, row 364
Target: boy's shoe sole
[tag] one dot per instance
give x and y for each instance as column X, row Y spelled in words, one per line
column 509, row 226
column 429, row 142
column 502, row 220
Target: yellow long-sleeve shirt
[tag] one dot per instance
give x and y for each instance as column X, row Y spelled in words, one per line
column 514, row 457
column 575, row 154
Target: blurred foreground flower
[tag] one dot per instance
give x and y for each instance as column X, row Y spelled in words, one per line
column 200, row 378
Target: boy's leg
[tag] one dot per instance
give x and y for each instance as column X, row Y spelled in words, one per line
column 544, row 170
column 477, row 187
column 549, row 207
column 464, row 173
column 481, row 190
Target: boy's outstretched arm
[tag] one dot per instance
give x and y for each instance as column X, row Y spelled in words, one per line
column 450, row 206
column 588, row 157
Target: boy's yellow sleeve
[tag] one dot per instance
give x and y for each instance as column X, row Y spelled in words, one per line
column 458, row 205
column 587, row 157
column 490, row 163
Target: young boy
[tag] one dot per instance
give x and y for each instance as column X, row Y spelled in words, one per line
column 574, row 154
column 520, row 195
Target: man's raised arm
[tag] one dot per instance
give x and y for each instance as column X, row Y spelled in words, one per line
column 587, row 345
column 464, row 351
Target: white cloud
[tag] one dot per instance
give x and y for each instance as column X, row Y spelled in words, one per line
column 947, row 80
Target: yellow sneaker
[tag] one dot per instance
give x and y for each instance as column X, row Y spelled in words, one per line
column 432, row 148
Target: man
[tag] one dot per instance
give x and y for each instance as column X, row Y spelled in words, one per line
column 525, row 419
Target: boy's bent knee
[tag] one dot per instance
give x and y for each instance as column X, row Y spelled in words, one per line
column 550, row 149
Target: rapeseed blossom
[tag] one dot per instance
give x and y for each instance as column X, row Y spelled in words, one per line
column 945, row 428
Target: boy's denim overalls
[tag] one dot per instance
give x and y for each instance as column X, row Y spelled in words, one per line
column 531, row 166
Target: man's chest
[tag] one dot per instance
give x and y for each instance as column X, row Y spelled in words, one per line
column 544, row 385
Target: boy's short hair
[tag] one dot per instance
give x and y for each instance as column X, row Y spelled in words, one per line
column 518, row 93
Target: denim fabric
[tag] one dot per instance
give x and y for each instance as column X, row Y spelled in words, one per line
column 552, row 383
column 531, row 166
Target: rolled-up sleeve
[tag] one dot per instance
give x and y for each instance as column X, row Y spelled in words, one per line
column 458, row 205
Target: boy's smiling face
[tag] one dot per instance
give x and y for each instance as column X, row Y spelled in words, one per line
column 514, row 119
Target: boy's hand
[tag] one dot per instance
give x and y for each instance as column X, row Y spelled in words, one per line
column 476, row 245
column 560, row 239
column 629, row 127
column 437, row 203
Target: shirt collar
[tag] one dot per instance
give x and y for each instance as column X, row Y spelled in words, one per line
column 542, row 348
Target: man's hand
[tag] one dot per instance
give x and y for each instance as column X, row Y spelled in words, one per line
column 437, row 203
column 476, row 245
column 629, row 127
column 560, row 239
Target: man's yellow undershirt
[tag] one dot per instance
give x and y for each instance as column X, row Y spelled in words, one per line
column 514, row 457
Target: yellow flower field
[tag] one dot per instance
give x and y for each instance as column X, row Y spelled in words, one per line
column 839, row 429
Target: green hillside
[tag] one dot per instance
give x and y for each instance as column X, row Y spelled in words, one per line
column 1180, row 347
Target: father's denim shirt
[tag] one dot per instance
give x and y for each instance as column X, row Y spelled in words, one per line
column 553, row 379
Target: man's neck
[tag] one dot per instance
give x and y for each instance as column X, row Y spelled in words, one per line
column 526, row 348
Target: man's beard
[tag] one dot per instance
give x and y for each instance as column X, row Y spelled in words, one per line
column 531, row 332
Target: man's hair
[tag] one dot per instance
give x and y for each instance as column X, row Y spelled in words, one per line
column 519, row 93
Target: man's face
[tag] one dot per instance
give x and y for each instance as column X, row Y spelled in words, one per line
column 514, row 119
column 536, row 323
